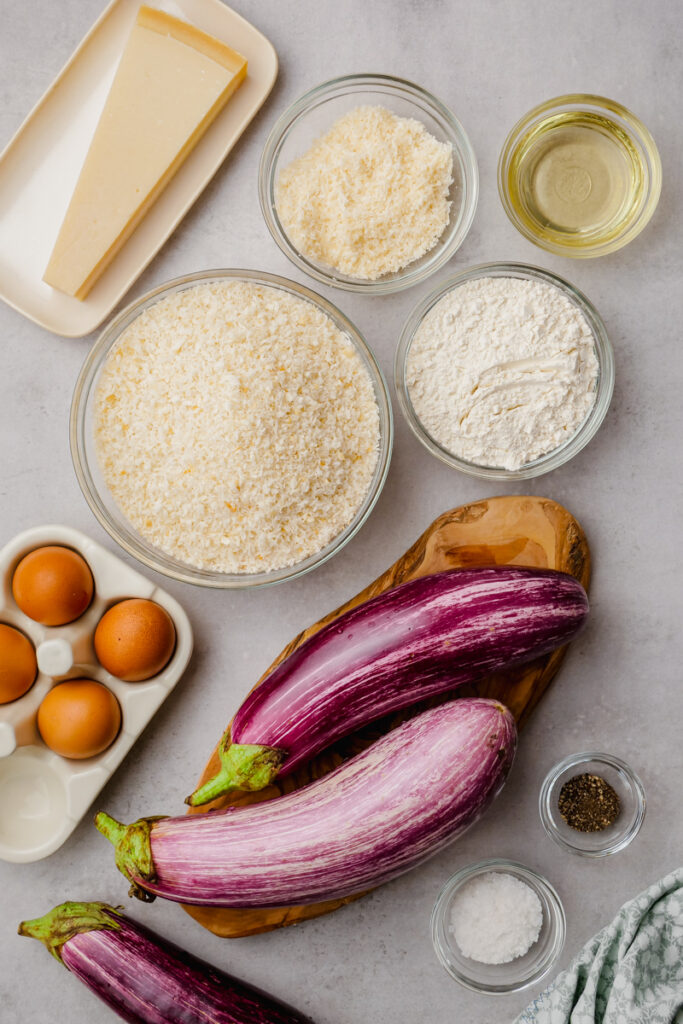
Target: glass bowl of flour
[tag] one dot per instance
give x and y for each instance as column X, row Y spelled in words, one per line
column 505, row 371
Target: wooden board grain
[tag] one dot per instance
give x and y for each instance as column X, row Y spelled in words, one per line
column 510, row 530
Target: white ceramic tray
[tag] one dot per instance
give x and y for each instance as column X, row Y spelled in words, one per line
column 43, row 796
column 40, row 166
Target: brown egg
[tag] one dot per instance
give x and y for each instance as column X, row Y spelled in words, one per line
column 79, row 718
column 53, row 585
column 135, row 639
column 18, row 666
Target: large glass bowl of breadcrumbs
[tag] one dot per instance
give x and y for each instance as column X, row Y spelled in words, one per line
column 231, row 429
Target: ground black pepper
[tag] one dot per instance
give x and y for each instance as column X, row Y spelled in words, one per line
column 588, row 803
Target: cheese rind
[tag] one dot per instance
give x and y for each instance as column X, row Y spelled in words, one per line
column 171, row 83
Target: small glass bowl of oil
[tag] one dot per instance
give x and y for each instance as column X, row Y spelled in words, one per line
column 580, row 176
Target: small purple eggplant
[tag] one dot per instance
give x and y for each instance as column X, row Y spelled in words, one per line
column 145, row 979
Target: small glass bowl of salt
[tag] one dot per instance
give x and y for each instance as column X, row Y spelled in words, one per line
column 498, row 926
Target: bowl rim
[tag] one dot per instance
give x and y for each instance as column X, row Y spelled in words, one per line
column 622, row 838
column 646, row 144
column 463, row 152
column 538, row 882
column 160, row 562
column 603, row 392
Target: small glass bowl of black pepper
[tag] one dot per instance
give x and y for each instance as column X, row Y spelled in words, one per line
column 592, row 804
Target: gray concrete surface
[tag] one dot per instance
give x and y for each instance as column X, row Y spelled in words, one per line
column 620, row 689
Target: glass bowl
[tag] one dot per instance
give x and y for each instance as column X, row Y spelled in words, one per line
column 640, row 165
column 314, row 113
column 102, row 502
column 621, row 778
column 499, row 979
column 603, row 388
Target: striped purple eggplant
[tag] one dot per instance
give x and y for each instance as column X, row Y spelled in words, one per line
column 420, row 639
column 144, row 978
column 376, row 816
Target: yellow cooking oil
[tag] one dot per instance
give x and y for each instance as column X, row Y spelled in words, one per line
column 577, row 179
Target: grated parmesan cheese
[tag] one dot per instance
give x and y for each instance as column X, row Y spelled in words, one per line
column 236, row 427
column 370, row 196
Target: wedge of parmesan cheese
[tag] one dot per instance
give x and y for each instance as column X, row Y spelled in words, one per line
column 171, row 83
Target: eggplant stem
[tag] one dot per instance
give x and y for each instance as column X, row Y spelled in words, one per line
column 110, row 828
column 244, row 766
column 69, row 919
column 133, row 848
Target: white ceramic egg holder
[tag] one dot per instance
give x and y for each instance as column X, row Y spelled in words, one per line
column 43, row 796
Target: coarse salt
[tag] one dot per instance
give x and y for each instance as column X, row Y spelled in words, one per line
column 496, row 918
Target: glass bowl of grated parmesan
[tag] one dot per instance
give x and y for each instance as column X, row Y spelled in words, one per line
column 504, row 371
column 368, row 183
column 231, row 429
column 510, row 920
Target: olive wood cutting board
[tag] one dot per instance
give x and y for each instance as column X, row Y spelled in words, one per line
column 510, row 530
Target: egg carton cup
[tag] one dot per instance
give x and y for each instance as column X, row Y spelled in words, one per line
column 43, row 796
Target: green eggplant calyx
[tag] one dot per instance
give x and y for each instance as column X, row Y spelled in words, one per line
column 69, row 919
column 245, row 766
column 133, row 850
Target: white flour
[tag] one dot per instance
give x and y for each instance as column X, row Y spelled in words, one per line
column 502, row 370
